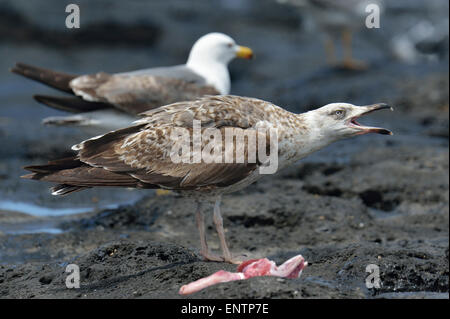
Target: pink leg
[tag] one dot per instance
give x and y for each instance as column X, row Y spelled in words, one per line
column 200, row 219
column 218, row 221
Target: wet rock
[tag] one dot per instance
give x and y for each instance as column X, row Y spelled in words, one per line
column 370, row 200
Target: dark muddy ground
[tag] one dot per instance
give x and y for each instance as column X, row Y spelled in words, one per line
column 370, row 200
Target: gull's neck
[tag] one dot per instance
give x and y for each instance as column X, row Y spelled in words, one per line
column 214, row 72
column 302, row 138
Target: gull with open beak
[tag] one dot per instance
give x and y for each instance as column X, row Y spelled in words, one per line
column 339, row 120
column 139, row 156
column 361, row 129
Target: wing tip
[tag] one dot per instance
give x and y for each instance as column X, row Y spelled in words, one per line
column 64, row 189
column 57, row 192
column 28, row 176
column 33, row 169
column 20, row 68
column 76, row 147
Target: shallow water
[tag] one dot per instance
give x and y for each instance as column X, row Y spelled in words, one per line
column 36, row 210
column 30, row 228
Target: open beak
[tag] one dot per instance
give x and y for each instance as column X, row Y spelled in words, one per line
column 244, row 52
column 368, row 129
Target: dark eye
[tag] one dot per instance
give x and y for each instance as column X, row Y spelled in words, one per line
column 339, row 113
column 229, row 45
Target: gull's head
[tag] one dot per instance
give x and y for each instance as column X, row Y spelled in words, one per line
column 339, row 120
column 219, row 48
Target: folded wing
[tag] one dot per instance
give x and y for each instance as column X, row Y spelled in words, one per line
column 140, row 155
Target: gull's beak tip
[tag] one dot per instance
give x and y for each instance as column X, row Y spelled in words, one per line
column 390, row 107
column 244, row 52
column 387, row 106
column 375, row 107
column 380, row 106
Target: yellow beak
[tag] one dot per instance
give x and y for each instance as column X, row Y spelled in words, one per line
column 244, row 52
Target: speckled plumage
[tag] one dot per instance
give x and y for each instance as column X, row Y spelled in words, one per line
column 141, row 155
column 144, row 152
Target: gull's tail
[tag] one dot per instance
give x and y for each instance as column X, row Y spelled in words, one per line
column 72, row 175
column 54, row 171
column 57, row 80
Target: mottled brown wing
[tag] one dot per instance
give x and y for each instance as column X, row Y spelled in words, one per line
column 145, row 153
column 137, row 93
column 146, row 157
column 212, row 111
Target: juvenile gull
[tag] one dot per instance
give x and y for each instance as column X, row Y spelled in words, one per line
column 140, row 155
column 107, row 102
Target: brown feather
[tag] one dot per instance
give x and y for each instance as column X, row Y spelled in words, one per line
column 76, row 173
column 70, row 104
column 54, row 166
column 57, row 80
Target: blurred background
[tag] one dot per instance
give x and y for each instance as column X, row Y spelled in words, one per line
column 407, row 60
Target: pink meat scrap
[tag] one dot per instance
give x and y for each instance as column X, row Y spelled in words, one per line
column 251, row 268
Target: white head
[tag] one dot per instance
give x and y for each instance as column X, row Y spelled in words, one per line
column 336, row 121
column 219, row 48
column 210, row 56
